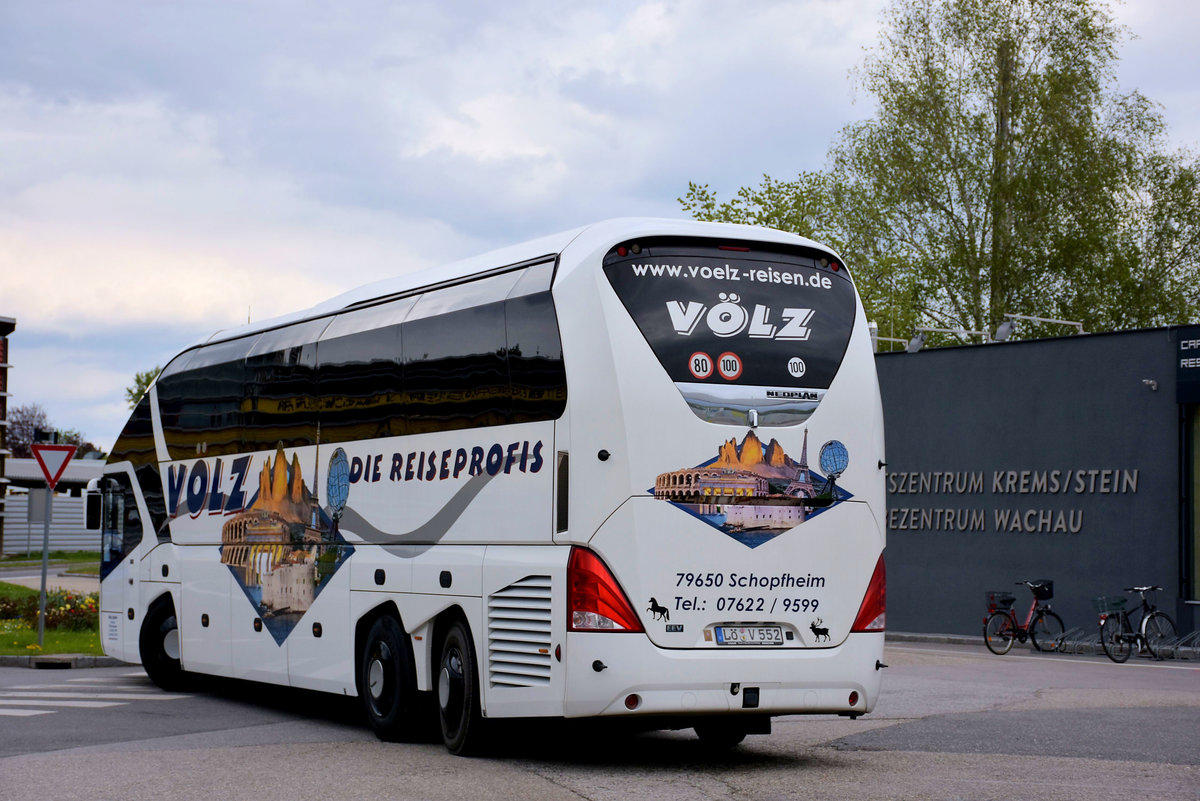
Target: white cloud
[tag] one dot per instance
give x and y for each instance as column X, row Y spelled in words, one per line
column 146, row 221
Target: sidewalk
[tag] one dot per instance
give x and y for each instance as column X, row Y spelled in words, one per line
column 57, row 577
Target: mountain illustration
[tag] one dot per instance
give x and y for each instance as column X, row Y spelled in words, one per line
column 281, row 489
column 750, row 455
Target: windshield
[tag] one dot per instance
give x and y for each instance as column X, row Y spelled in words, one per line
column 745, row 330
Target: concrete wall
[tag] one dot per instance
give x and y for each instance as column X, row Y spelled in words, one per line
column 1041, row 459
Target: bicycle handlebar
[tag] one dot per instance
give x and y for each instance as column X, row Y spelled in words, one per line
column 1143, row 589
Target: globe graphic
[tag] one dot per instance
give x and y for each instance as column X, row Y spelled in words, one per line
column 337, row 485
column 834, row 458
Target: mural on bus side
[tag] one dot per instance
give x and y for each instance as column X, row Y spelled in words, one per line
column 283, row 548
column 755, row 492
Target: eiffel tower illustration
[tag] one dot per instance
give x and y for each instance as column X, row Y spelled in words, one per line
column 801, row 485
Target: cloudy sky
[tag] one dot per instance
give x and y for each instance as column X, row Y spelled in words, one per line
column 172, row 168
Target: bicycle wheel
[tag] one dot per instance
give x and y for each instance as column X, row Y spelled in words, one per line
column 1159, row 631
column 1115, row 638
column 999, row 633
column 1045, row 631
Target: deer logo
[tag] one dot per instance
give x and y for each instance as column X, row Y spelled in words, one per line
column 818, row 630
column 660, row 612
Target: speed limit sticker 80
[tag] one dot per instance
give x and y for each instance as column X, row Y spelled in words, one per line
column 700, row 364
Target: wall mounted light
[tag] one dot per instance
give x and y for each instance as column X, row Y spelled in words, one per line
column 1005, row 329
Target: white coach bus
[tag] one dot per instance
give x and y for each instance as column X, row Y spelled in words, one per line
column 632, row 471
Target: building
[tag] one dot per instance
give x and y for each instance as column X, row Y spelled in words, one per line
column 1074, row 459
column 7, row 326
column 708, row 485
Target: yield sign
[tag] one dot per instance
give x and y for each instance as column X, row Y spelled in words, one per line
column 53, row 460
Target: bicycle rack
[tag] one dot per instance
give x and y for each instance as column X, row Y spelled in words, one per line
column 1067, row 640
column 1187, row 646
column 1080, row 641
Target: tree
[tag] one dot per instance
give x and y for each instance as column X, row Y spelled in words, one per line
column 25, row 421
column 1000, row 173
column 70, row 436
column 141, row 382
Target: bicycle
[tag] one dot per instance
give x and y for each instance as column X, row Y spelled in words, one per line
column 1117, row 635
column 1043, row 627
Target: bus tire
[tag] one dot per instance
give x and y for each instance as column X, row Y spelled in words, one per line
column 387, row 681
column 158, row 646
column 463, row 726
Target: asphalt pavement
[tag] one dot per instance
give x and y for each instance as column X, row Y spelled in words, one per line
column 954, row 722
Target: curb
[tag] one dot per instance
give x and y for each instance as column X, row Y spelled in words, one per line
column 948, row 639
column 60, row 661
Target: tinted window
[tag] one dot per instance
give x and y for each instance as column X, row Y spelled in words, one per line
column 741, row 328
column 535, row 361
column 121, row 526
column 450, row 358
column 136, row 443
column 362, row 385
column 465, row 296
column 202, row 405
column 281, row 388
column 456, row 369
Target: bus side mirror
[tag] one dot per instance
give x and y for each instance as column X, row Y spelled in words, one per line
column 92, row 506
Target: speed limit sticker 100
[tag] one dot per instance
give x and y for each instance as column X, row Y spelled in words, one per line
column 729, row 365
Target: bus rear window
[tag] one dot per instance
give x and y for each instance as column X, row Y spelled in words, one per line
column 743, row 329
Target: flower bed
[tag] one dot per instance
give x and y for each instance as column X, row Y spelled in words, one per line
column 65, row 610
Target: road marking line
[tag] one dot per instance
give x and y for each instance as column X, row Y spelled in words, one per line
column 76, row 688
column 24, row 713
column 79, row 704
column 110, row 696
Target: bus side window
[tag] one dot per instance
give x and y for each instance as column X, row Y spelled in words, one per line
column 535, row 359
column 456, row 369
column 201, row 405
column 121, row 524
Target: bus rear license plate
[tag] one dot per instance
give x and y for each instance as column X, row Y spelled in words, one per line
column 749, row 635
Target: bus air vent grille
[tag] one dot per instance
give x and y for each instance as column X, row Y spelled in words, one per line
column 519, row 634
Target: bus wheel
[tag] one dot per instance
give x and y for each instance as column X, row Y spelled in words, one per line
column 158, row 646
column 720, row 736
column 387, row 681
column 458, row 694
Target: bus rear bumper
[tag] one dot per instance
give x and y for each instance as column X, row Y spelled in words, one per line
column 607, row 676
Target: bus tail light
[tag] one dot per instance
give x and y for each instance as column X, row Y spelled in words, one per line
column 595, row 602
column 872, row 615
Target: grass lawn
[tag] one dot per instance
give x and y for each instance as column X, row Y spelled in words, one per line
column 57, row 557
column 16, row 591
column 16, row 639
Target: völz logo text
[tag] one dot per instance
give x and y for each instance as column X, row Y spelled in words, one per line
column 728, row 318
